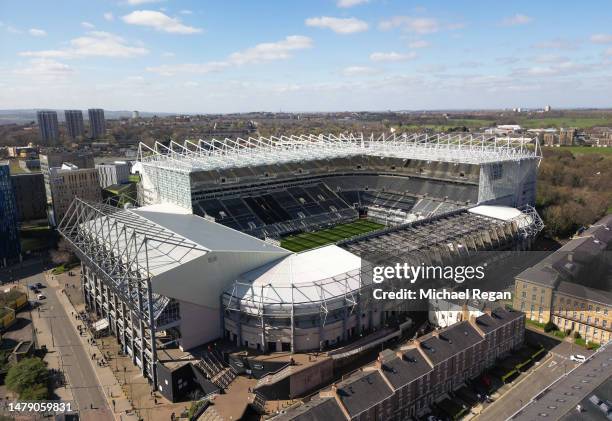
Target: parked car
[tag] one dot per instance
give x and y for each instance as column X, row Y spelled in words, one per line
column 578, row 358
column 32, row 287
column 40, row 296
column 39, row 285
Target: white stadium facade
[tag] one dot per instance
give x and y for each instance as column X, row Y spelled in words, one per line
column 201, row 259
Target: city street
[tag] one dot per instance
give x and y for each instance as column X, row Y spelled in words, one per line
column 564, row 395
column 555, row 365
column 77, row 366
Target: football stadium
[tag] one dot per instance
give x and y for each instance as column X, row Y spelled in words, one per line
column 266, row 244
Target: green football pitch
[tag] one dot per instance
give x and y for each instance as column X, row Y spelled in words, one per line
column 310, row 240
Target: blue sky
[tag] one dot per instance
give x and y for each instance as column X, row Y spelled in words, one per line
column 315, row 55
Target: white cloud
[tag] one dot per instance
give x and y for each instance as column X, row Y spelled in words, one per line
column 35, row 32
column 419, row 44
column 196, row 68
column 88, row 25
column 411, row 24
column 11, row 29
column 359, row 71
column 191, row 84
column 168, row 54
column 550, row 58
column 516, row 20
column 186, row 12
column 267, row 51
column 46, row 68
column 392, row 56
column 109, row 16
column 139, row 2
column 271, row 50
column 609, row 52
column 455, row 26
column 159, row 21
column 601, row 38
column 350, row 3
column 555, row 66
column 338, row 25
column 94, row 43
column 557, row 44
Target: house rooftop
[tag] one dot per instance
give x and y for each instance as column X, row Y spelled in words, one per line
column 404, row 370
column 362, row 391
column 442, row 345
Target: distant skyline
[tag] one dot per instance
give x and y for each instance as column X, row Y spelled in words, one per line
column 321, row 55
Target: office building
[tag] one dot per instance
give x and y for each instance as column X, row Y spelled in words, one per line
column 48, row 127
column 115, row 173
column 74, row 124
column 572, row 286
column 26, row 152
column 68, row 182
column 97, row 124
column 9, row 232
column 30, row 196
column 56, row 159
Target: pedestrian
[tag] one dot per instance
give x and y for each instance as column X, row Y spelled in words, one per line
column 113, row 404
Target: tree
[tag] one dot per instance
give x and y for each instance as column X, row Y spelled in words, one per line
column 63, row 253
column 29, row 378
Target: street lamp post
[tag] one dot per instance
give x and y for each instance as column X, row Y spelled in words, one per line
column 52, row 337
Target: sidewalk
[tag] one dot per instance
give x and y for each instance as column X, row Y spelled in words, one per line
column 123, row 410
column 53, row 356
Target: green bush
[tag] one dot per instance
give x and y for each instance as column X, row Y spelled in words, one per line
column 195, row 406
column 4, row 364
column 559, row 334
column 580, row 341
column 550, row 326
column 535, row 323
column 577, row 335
column 592, row 345
column 29, row 378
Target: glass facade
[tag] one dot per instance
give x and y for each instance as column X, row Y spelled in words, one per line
column 9, row 234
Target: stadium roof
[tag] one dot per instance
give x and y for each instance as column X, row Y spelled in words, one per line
column 186, row 256
column 317, row 275
column 208, row 234
column 227, row 153
column 192, row 236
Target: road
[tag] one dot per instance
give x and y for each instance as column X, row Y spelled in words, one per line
column 87, row 391
column 562, row 397
column 555, row 365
